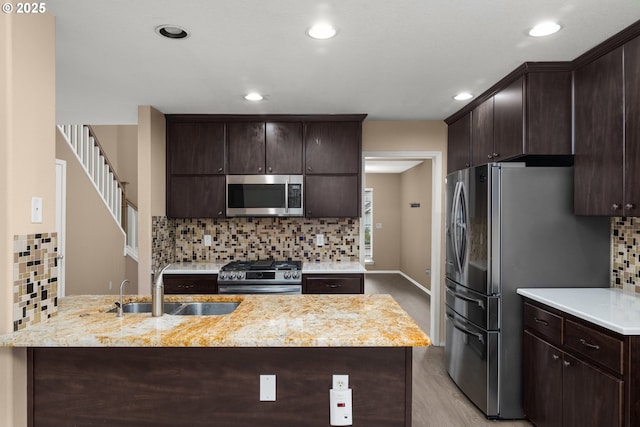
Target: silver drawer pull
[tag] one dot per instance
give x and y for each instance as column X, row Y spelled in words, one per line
column 544, row 322
column 593, row 346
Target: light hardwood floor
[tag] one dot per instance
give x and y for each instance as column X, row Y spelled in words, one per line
column 437, row 401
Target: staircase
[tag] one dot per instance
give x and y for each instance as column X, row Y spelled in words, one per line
column 101, row 173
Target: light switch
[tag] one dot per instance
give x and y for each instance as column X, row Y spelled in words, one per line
column 36, row 210
column 267, row 388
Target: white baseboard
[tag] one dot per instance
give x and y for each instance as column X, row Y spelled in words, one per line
column 416, row 284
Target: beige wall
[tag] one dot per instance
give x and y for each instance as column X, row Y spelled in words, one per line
column 386, row 211
column 94, row 256
column 151, row 186
column 120, row 143
column 415, row 252
column 27, row 169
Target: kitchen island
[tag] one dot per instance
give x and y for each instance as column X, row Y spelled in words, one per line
column 89, row 367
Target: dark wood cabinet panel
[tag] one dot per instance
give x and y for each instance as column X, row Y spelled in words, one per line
column 590, row 397
column 508, row 122
column 190, row 283
column 246, row 148
column 333, row 284
column 459, row 144
column 632, row 128
column 332, row 147
column 542, row 382
column 199, row 196
column 195, row 148
column 599, row 136
column 544, row 323
column 482, row 133
column 164, row 387
column 548, row 113
column 332, row 196
column 284, row 148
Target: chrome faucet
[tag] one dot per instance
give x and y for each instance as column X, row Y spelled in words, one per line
column 121, row 306
column 157, row 295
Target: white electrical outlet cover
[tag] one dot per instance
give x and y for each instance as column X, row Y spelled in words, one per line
column 207, row 239
column 267, row 388
column 320, row 239
column 340, row 382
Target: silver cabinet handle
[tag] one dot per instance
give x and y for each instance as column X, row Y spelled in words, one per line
column 587, row 344
column 555, row 357
column 629, row 206
column 544, row 322
column 489, row 156
column 566, row 363
column 220, row 213
column 494, row 155
column 615, row 207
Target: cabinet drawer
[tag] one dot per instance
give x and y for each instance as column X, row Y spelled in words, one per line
column 543, row 323
column 601, row 348
column 190, row 284
column 333, row 284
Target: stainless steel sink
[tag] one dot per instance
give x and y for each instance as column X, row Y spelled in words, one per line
column 206, row 308
column 182, row 308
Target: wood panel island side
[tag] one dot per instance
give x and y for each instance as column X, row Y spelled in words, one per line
column 88, row 367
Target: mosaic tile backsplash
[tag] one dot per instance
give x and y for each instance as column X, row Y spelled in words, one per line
column 625, row 250
column 35, row 279
column 163, row 241
column 260, row 238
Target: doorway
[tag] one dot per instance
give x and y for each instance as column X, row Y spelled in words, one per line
column 61, row 220
column 436, row 159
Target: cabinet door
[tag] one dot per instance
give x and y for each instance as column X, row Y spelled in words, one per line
column 332, row 196
column 548, row 112
column 195, row 148
column 482, row 133
column 599, row 136
column 590, row 397
column 508, row 122
column 332, row 147
column 333, row 284
column 632, row 129
column 246, row 148
column 542, row 382
column 200, row 196
column 459, row 144
column 190, row 283
column 284, row 148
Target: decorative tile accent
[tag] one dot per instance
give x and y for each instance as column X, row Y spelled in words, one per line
column 625, row 250
column 35, row 279
column 259, row 238
column 163, row 242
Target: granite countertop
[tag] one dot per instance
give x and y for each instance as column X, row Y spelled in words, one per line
column 613, row 309
column 330, row 267
column 259, row 321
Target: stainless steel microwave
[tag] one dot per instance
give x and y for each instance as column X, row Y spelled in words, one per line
column 265, row 195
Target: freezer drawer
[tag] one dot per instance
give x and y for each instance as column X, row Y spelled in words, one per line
column 471, row 358
column 480, row 309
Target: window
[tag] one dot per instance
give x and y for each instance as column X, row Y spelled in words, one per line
column 368, row 225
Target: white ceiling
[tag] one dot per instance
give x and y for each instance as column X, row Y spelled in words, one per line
column 389, row 166
column 395, row 60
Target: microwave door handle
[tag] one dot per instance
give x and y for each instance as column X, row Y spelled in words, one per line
column 286, row 196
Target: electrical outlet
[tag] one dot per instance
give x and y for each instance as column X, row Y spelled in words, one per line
column 319, row 239
column 340, row 382
column 207, row 239
column 267, row 388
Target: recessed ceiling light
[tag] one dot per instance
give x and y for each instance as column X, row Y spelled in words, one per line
column 322, row 31
column 463, row 96
column 544, row 29
column 172, row 31
column 253, row 96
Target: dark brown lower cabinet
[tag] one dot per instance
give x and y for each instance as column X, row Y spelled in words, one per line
column 586, row 376
column 333, row 284
column 190, row 283
column 164, row 387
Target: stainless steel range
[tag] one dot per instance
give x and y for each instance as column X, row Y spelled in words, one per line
column 260, row 277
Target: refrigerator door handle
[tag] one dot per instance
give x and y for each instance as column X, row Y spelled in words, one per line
column 465, row 331
column 456, row 226
column 466, row 298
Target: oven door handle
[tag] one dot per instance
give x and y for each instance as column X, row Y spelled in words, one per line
column 466, row 298
column 464, row 330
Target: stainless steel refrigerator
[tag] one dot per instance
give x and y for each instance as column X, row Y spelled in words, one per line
column 509, row 226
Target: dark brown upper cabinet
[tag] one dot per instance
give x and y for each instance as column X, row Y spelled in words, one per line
column 607, row 138
column 459, row 144
column 526, row 113
column 257, row 148
column 195, row 148
column 333, row 147
column 332, row 196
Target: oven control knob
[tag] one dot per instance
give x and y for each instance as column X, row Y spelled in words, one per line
column 223, row 275
column 287, row 275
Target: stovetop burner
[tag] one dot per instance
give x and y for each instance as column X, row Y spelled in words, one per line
column 262, row 265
